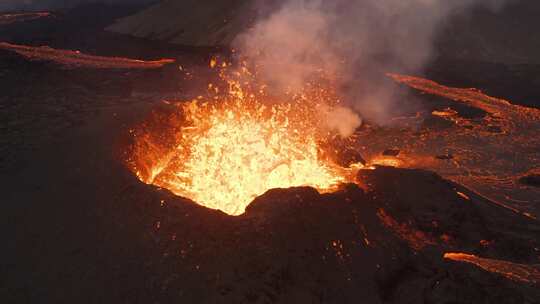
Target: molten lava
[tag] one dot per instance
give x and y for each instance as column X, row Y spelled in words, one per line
column 77, row 59
column 513, row 271
column 235, row 147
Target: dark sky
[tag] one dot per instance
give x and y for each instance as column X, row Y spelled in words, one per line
column 52, row 4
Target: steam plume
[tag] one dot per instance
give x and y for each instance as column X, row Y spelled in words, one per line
column 355, row 42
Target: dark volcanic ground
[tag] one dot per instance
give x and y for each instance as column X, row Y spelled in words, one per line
column 80, row 228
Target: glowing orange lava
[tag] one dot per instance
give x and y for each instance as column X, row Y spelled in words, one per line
column 234, row 148
column 512, row 271
column 77, row 59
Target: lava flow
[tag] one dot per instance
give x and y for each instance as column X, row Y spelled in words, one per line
column 512, row 271
column 20, row 17
column 77, row 59
column 484, row 143
column 227, row 149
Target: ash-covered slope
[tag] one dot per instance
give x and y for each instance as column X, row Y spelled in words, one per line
column 190, row 22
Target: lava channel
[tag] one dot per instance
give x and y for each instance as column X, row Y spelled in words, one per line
column 512, row 271
column 77, row 59
column 21, row 17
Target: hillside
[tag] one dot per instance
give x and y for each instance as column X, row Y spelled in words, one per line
column 480, row 35
column 189, row 22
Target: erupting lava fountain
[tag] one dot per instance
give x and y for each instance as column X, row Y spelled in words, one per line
column 227, row 148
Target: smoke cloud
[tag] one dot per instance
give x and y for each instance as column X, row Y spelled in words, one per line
column 354, row 42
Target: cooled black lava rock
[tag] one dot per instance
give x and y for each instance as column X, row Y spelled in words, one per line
column 494, row 129
column 348, row 157
column 391, row 152
column 437, row 123
column 447, row 156
column 531, row 180
column 380, row 244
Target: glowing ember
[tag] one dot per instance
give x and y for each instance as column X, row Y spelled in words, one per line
column 78, row 59
column 230, row 150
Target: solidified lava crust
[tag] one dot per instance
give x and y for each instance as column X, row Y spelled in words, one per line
column 531, row 180
column 383, row 242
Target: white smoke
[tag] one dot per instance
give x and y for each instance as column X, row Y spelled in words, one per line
column 354, row 41
column 340, row 119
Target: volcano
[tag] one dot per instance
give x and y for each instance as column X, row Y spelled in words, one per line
column 131, row 178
